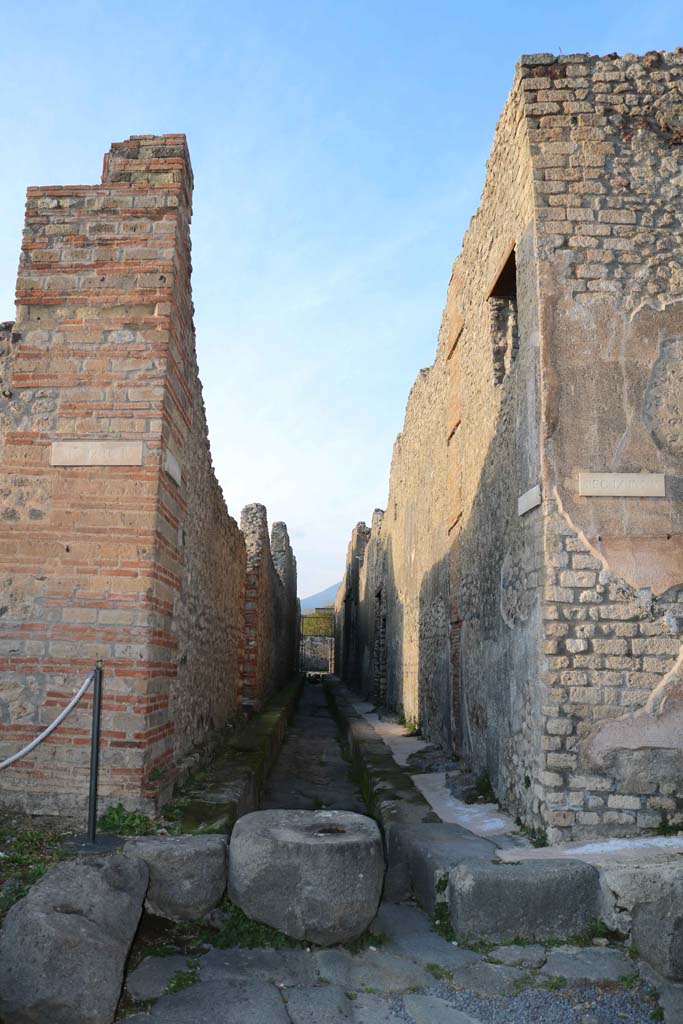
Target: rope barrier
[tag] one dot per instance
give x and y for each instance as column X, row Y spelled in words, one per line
column 52, row 726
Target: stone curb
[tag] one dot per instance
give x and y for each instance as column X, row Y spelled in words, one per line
column 239, row 770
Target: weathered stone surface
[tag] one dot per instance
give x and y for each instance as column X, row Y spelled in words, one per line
column 282, row 967
column 187, row 874
column 217, row 1002
column 374, row 970
column 591, row 964
column 64, row 946
column 488, row 980
column 311, row 874
column 532, row 900
column 529, row 957
column 409, row 933
column 432, row 1010
column 658, row 932
column 150, row 978
column 430, row 850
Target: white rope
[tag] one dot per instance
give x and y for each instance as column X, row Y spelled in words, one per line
column 52, row 726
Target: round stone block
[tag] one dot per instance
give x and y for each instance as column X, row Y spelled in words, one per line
column 314, row 875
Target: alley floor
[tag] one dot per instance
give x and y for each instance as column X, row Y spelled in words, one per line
column 311, row 772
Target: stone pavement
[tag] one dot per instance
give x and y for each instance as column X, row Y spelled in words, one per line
column 410, row 974
column 311, row 772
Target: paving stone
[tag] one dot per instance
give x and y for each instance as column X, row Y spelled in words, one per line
column 332, row 1005
column 328, row 1003
column 371, row 1009
column 371, row 970
column 488, row 979
column 410, row 934
column 528, row 957
column 432, row 1010
column 217, row 1002
column 282, row 967
column 149, row 980
column 593, row 964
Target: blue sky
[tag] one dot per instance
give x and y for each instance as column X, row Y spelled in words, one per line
column 339, row 152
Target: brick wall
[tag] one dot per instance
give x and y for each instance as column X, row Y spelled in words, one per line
column 120, row 547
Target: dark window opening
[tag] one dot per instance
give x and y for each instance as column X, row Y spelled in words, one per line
column 504, row 333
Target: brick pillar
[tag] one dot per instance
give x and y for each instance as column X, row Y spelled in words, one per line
column 92, row 425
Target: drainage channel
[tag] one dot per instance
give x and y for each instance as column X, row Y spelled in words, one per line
column 311, row 772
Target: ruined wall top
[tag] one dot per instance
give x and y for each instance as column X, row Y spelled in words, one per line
column 150, row 160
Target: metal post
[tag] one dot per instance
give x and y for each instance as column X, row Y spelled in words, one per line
column 94, row 751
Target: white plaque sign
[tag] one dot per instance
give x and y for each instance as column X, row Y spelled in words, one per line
column 530, row 499
column 172, row 467
column 622, row 485
column 96, row 453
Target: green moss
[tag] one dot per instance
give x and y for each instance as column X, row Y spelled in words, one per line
column 184, row 979
column 630, row 980
column 439, row 972
column 120, row 822
column 26, row 856
column 657, row 1013
column 441, row 922
column 483, row 791
column 240, row 930
column 554, row 984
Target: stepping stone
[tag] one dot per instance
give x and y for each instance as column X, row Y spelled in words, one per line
column 376, row 971
column 432, row 1010
column 528, row 957
column 488, row 979
column 218, row 1003
column 150, row 978
column 595, row 963
column 314, row 875
column 410, row 934
column 281, row 967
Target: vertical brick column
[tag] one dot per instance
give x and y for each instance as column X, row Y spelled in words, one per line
column 92, row 425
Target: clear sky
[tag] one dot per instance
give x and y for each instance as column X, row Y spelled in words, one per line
column 339, row 152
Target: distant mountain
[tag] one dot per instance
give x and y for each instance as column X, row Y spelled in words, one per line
column 321, row 600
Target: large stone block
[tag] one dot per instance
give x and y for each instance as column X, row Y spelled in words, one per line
column 658, row 932
column 532, row 900
column 187, row 874
column 64, row 946
column 313, row 875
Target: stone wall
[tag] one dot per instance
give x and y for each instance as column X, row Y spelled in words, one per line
column 115, row 541
column 562, row 337
column 607, row 136
column 270, row 644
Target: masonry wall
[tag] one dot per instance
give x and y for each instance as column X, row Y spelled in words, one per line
column 115, row 541
column 562, row 336
column 394, row 600
column 270, row 644
column 607, row 135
